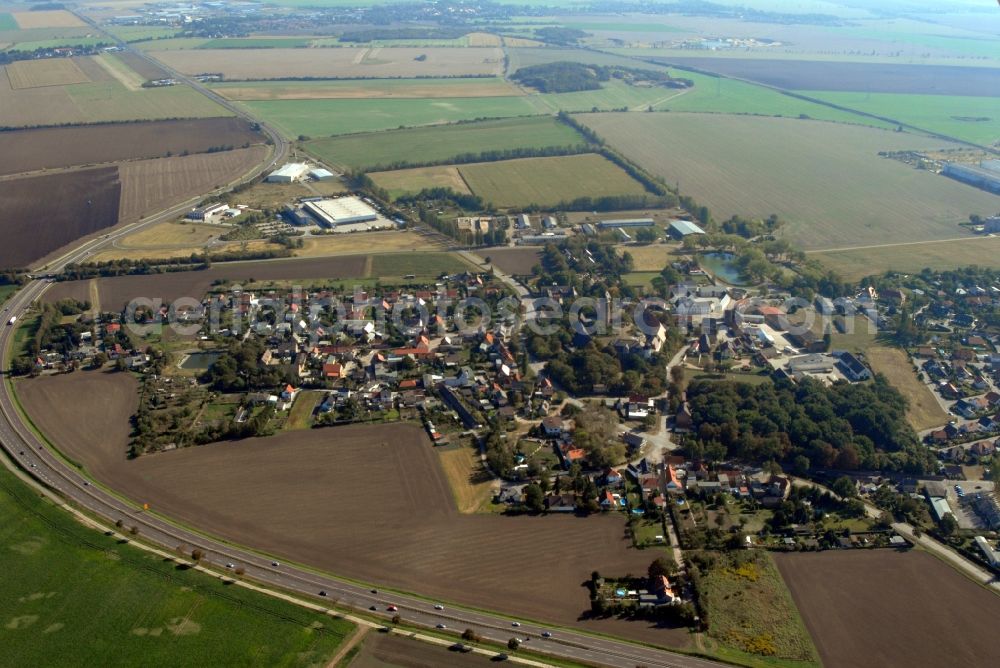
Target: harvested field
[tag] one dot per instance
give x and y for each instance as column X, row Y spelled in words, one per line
column 41, row 214
column 348, row 62
column 483, row 39
column 57, row 18
column 368, row 88
column 404, row 181
column 653, row 257
column 424, row 265
column 48, row 148
column 117, row 291
column 825, row 179
column 99, row 102
column 369, row 151
column 166, row 235
column 178, row 240
column 152, row 185
column 182, row 252
column 277, row 494
column 548, row 181
column 47, row 72
column 514, row 261
column 92, row 68
column 471, row 485
column 855, row 264
column 869, row 608
column 924, row 410
column 350, row 244
column 141, row 66
column 841, row 76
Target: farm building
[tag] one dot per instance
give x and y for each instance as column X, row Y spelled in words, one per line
column 293, row 171
column 549, row 222
column 853, row 368
column 986, row 179
column 340, row 211
column 991, row 224
column 522, row 221
column 540, row 239
column 628, row 222
column 207, row 212
column 683, row 228
column 320, row 174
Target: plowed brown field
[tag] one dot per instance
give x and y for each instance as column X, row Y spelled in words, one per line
column 874, row 608
column 152, row 185
column 40, row 214
column 28, row 150
column 367, row 502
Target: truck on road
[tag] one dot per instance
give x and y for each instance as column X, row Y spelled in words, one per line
column 12, row 320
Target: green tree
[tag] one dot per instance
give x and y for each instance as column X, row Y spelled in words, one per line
column 949, row 525
column 534, row 497
column 844, row 487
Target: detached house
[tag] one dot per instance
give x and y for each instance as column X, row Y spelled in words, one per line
column 553, row 426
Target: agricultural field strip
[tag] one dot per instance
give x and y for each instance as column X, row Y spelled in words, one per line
column 50, row 148
column 442, row 142
column 853, row 77
column 347, row 62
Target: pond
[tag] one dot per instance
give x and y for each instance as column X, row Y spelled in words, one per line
column 200, row 361
column 723, row 267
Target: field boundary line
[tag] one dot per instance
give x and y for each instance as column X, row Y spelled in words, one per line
column 901, row 243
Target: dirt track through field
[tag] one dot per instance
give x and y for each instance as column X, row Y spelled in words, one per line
column 366, row 502
column 882, row 608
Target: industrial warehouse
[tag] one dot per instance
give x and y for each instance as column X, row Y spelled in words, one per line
column 341, row 214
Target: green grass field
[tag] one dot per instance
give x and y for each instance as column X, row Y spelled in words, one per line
column 72, row 596
column 751, row 611
column 367, row 88
column 111, row 101
column 65, row 41
column 612, row 26
column 422, row 265
column 6, row 291
column 172, row 44
column 140, row 33
column 17, row 38
column 726, row 96
column 435, row 143
column 825, row 179
column 548, row 181
column 856, row 264
column 973, row 119
column 256, row 43
column 7, row 22
column 300, row 417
